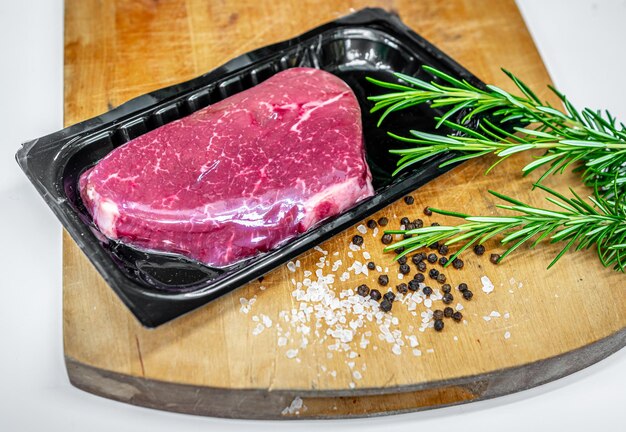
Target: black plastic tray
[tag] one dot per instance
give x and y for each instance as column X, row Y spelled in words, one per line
column 159, row 287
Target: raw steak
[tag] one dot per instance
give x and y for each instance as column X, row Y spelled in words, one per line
column 238, row 177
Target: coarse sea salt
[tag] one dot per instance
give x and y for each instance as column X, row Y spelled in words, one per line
column 488, row 286
column 291, row 353
column 507, row 335
column 362, row 229
column 291, row 266
column 295, row 407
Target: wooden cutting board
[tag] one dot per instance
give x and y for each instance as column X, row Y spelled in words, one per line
column 217, row 361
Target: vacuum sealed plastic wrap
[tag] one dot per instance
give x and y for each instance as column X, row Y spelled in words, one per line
column 160, row 286
column 238, row 177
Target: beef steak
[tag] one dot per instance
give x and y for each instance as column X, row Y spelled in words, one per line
column 238, row 177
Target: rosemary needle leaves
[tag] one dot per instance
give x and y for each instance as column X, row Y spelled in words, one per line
column 577, row 223
column 509, row 124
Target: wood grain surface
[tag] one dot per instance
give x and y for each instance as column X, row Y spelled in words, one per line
column 210, row 361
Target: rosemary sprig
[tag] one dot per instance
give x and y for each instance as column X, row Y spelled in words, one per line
column 594, row 141
column 581, row 225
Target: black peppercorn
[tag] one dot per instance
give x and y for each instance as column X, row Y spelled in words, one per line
column 427, row 291
column 457, row 316
column 434, row 245
column 448, row 312
column 383, row 280
column 432, row 258
column 435, row 224
column 383, row 221
column 467, row 295
column 494, row 258
column 438, row 325
column 402, row 288
column 402, row 260
column 389, row 295
column 409, row 199
column 433, row 273
column 404, row 221
column 371, row 265
column 363, row 290
column 385, row 305
column 462, row 286
column 405, row 269
column 447, row 298
column 446, row 288
column 443, row 261
column 399, row 250
column 416, row 259
column 260, row 279
column 427, row 211
column 479, row 249
column 406, row 236
column 414, row 285
column 457, row 263
column 419, row 277
column 443, row 250
column 418, row 223
column 375, row 294
column 357, row 240
column 421, row 266
column 441, row 278
column 386, row 239
column 371, row 224
column 438, row 314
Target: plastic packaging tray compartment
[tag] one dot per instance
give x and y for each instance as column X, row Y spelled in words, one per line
column 158, row 287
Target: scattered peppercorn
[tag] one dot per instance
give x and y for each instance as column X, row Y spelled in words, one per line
column 427, row 291
column 383, row 280
column 419, row 277
column 448, row 312
column 428, row 211
column 433, row 273
column 402, row 260
column 421, row 266
column 441, row 278
column 375, row 294
column 383, row 221
column 462, row 286
column 260, row 279
column 399, row 250
column 457, row 316
column 416, row 259
column 438, row 325
column 446, row 288
column 409, row 199
column 404, row 221
column 438, row 314
column 357, row 240
column 386, row 239
column 363, row 290
column 432, row 258
column 494, row 258
column 402, row 288
column 371, row 265
column 434, row 245
column 443, row 261
column 405, row 269
column 443, row 250
column 457, row 263
column 467, row 295
column 447, row 298
column 479, row 249
column 371, row 224
column 406, row 236
column 389, row 295
column 418, row 223
column 385, row 305
column 414, row 285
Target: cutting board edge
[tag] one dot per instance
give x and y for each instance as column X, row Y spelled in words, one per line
column 265, row 404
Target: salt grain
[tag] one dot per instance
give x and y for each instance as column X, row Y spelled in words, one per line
column 291, row 353
column 488, row 286
column 291, row 266
column 507, row 335
column 362, row 229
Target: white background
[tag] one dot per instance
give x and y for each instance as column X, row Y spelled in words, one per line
column 582, row 43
